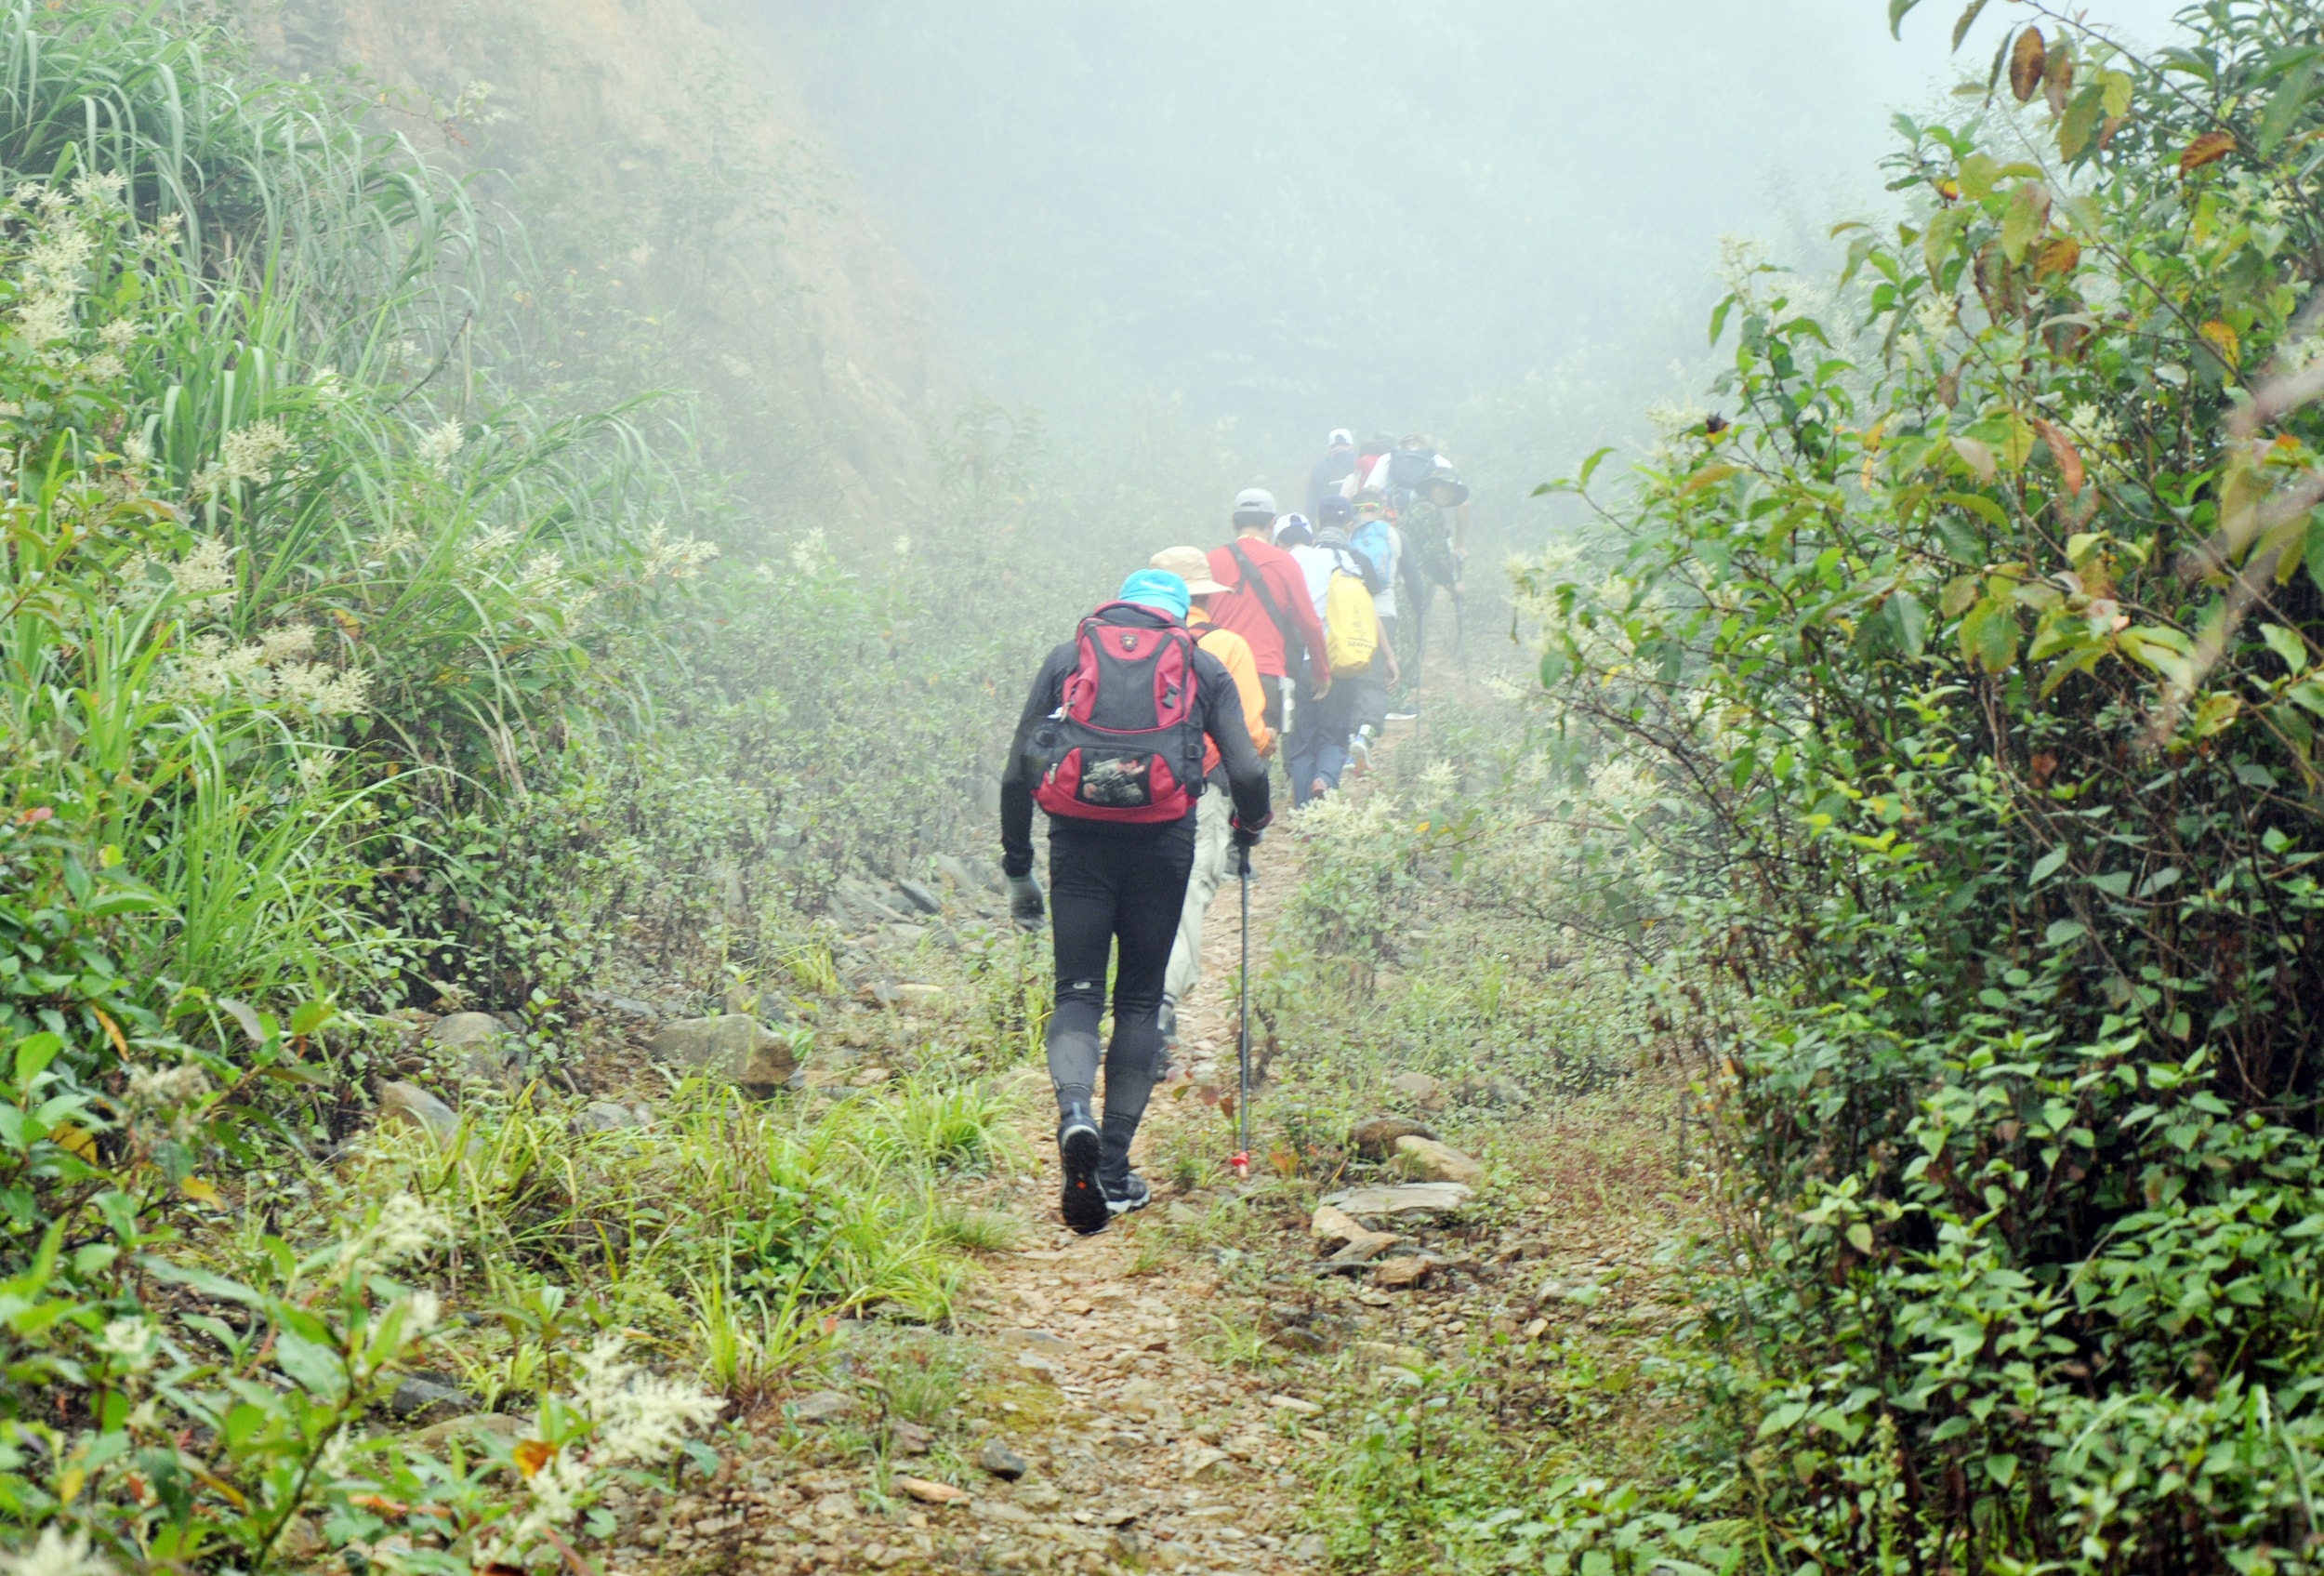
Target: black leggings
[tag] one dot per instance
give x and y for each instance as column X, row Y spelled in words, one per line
column 1105, row 887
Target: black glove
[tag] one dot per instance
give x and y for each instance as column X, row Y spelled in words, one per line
column 1027, row 905
column 1249, row 836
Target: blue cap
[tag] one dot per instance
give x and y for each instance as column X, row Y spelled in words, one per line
column 1157, row 588
column 1334, row 511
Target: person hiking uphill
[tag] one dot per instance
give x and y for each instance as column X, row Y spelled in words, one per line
column 1214, row 818
column 1335, row 467
column 1269, row 609
column 1339, row 587
column 1111, row 744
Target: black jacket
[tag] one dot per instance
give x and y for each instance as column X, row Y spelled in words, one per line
column 1215, row 698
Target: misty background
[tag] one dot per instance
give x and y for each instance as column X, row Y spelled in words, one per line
column 1493, row 221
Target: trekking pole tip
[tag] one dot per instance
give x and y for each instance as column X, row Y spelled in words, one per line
column 1239, row 1164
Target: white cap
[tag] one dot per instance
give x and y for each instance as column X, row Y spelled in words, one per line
column 1341, row 436
column 1255, row 500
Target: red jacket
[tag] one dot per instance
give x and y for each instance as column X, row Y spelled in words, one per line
column 1241, row 611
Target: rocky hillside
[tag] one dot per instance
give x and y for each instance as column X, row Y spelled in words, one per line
column 704, row 239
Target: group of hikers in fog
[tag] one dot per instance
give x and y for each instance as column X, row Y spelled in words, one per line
column 1146, row 739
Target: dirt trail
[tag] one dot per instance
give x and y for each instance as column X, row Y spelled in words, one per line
column 1154, row 1452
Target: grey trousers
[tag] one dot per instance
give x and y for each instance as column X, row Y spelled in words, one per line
column 1214, row 833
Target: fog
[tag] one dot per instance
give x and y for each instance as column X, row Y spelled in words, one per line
column 1490, row 219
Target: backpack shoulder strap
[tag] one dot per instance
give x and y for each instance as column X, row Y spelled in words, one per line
column 1258, row 582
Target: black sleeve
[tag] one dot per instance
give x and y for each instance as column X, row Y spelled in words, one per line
column 1223, row 719
column 1016, row 789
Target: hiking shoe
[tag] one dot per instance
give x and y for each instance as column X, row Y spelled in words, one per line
column 1129, row 1193
column 1078, row 1150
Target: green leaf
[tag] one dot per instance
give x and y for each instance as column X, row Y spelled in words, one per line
column 2064, row 931
column 2029, row 212
column 1979, row 505
column 1897, row 10
column 2003, row 1469
column 1860, row 1237
column 2048, row 865
column 34, row 1054
column 1989, row 635
column 1968, row 20
column 2285, row 105
column 2287, row 645
column 1719, row 318
column 1908, row 620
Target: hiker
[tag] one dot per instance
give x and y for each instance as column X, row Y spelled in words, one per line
column 1293, row 531
column 1435, row 527
column 1268, row 607
column 1338, row 588
column 1112, row 743
column 1386, row 551
column 1336, row 467
column 1214, row 817
column 1401, row 474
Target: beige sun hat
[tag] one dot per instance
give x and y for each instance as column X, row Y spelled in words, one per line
column 1190, row 564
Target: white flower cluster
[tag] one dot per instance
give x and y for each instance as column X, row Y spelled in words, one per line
column 405, row 1225
column 132, row 1343
column 273, row 670
column 678, row 557
column 440, row 445
column 208, row 570
column 55, row 1555
column 162, row 1089
column 636, row 1419
column 248, row 454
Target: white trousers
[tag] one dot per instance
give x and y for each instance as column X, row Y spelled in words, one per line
column 1214, row 835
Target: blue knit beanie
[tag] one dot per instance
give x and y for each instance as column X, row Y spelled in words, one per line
column 1157, row 588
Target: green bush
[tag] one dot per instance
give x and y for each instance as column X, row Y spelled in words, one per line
column 1978, row 653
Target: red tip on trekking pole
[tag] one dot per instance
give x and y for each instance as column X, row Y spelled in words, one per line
column 1239, row 1162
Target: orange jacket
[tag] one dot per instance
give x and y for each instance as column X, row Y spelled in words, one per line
column 1233, row 652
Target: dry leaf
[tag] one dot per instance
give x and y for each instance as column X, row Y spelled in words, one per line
column 203, row 1191
column 2069, row 458
column 2058, row 81
column 2028, row 61
column 2059, row 255
column 2223, row 337
column 1979, row 456
column 534, row 1454
column 2208, row 148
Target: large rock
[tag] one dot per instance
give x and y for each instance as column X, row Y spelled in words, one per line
column 462, row 1030
column 1375, row 1137
column 1431, row 1161
column 481, row 1046
column 1361, row 1250
column 1333, row 1229
column 734, row 1046
column 1413, row 1198
column 1422, row 1090
column 609, row 1115
column 1489, row 1089
column 1403, row 1273
column 421, row 1399
column 408, row 1104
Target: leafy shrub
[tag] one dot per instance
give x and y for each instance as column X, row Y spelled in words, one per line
column 1978, row 652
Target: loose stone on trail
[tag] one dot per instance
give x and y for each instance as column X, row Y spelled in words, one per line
column 820, row 1407
column 1431, row 1161
column 1375, row 1137
column 733, row 1046
column 410, row 1105
column 1001, row 1462
column 1423, row 1198
column 1422, row 1090
column 929, row 1492
column 1400, row 1273
column 1334, row 1228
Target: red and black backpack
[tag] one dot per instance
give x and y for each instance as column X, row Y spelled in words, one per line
column 1127, row 744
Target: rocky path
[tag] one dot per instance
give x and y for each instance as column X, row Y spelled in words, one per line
column 1153, row 1452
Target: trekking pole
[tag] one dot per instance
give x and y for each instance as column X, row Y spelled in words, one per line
column 1240, row 1160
